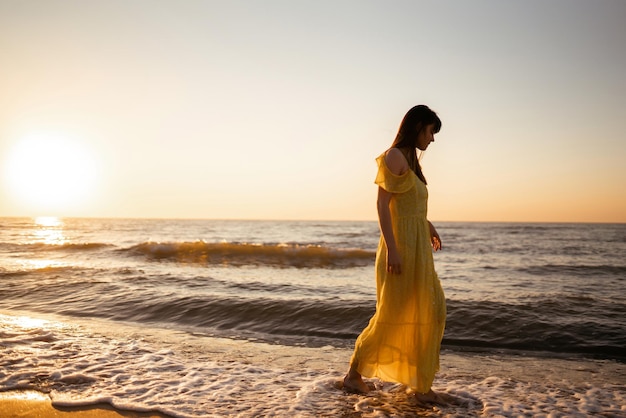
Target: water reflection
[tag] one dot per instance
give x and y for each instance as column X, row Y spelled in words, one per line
column 48, row 221
column 49, row 230
column 22, row 322
column 36, row 264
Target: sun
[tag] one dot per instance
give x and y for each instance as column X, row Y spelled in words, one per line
column 50, row 173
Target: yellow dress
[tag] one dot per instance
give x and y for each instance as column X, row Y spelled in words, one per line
column 402, row 341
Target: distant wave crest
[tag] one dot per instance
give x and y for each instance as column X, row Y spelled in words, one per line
column 275, row 255
column 64, row 246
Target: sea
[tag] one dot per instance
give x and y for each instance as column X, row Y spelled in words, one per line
column 214, row 318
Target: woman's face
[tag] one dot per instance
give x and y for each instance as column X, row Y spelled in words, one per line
column 425, row 137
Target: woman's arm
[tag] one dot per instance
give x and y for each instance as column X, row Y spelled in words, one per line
column 394, row 262
column 398, row 165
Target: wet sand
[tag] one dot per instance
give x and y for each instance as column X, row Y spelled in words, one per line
column 31, row 404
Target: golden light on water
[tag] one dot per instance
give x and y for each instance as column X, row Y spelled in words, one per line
column 49, row 173
column 49, row 231
column 28, row 322
column 48, row 221
column 40, row 264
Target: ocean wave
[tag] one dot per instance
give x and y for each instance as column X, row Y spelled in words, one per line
column 469, row 325
column 266, row 318
column 238, row 254
column 557, row 325
column 585, row 326
column 65, row 246
column 36, row 272
column 574, row 270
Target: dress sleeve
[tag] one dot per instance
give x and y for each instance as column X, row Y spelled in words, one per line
column 391, row 182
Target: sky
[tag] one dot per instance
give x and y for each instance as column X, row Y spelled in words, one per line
column 277, row 109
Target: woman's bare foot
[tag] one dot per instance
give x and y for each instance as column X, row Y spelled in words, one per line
column 353, row 382
column 431, row 398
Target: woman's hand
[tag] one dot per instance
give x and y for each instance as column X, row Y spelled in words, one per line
column 434, row 237
column 394, row 262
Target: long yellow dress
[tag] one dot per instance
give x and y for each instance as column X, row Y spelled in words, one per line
column 402, row 341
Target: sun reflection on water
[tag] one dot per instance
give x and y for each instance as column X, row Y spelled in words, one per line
column 41, row 264
column 48, row 221
column 28, row 322
column 49, row 230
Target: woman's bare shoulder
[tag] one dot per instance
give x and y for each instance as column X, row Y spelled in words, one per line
column 396, row 161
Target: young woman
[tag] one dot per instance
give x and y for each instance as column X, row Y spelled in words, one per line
column 401, row 343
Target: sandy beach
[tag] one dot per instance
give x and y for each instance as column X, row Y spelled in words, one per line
column 31, row 404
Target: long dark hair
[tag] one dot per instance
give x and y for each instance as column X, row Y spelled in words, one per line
column 416, row 119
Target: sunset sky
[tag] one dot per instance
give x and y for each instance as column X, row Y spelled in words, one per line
column 277, row 109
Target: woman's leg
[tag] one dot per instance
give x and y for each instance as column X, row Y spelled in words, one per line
column 353, row 382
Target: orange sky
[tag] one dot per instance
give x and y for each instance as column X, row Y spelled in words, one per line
column 274, row 110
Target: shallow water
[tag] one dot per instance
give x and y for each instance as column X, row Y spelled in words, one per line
column 183, row 375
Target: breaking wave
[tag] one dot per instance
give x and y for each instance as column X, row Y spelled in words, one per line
column 239, row 254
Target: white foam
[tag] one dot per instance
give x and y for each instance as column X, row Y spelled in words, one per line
column 187, row 376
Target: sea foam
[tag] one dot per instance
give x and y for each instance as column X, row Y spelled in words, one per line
column 190, row 376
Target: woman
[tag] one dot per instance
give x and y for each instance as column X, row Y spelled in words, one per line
column 402, row 341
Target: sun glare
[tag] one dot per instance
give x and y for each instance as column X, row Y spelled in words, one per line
column 49, row 173
column 50, row 230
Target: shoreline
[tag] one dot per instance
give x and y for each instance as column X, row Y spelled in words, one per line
column 213, row 376
column 493, row 384
column 24, row 403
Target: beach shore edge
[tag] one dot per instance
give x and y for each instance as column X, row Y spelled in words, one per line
column 28, row 403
